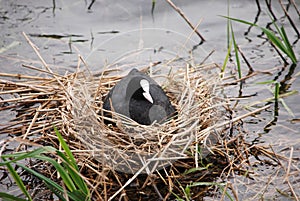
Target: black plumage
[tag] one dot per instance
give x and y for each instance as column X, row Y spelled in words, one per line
column 139, row 97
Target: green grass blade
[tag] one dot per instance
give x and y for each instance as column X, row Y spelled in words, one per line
column 194, row 184
column 54, row 185
column 78, row 181
column 284, row 46
column 63, row 173
column 288, row 46
column 78, row 195
column 271, row 36
column 70, row 161
column 37, row 153
column 9, row 197
column 48, row 181
column 195, row 170
column 73, row 172
column 274, row 39
column 68, row 171
column 266, row 82
column 66, row 148
column 42, row 177
column 187, row 192
column 236, row 53
column 239, row 20
column 18, row 180
column 177, row 197
column 276, row 26
column 23, row 155
column 226, row 58
column 228, row 27
column 58, row 193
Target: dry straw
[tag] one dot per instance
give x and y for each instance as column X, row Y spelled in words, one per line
column 128, row 146
column 73, row 103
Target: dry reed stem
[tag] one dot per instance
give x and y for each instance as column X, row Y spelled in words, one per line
column 296, row 8
column 181, row 13
column 287, row 172
column 289, row 18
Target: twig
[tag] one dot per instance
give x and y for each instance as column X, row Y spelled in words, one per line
column 20, row 76
column 205, row 59
column 192, row 32
column 220, row 125
column 41, row 70
column 129, row 181
column 46, row 65
column 251, row 70
column 3, row 144
column 256, row 17
column 29, row 99
column 186, row 19
column 289, row 18
column 25, row 85
column 279, row 53
column 31, row 124
column 287, row 171
column 241, row 79
column 37, row 53
column 296, row 8
column 91, row 4
column 270, row 9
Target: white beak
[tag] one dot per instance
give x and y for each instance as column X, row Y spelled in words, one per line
column 145, row 86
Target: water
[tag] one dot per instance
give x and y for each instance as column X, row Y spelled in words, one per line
column 111, row 29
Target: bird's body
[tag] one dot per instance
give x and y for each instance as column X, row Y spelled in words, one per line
column 139, row 97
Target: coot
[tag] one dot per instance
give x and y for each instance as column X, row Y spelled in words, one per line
column 139, row 97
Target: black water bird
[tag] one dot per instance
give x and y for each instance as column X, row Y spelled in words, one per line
column 140, row 98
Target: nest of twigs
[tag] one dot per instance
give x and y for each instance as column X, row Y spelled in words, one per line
column 73, row 103
column 130, row 147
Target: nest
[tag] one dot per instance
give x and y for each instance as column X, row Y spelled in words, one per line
column 129, row 147
column 73, row 103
